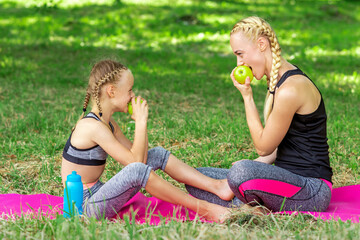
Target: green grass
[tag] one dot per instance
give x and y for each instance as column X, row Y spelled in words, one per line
column 180, row 55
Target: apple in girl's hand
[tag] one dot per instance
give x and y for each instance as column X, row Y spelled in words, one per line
column 130, row 109
column 241, row 72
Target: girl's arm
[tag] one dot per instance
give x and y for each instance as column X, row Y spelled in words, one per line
column 119, row 135
column 125, row 141
column 118, row 146
column 107, row 141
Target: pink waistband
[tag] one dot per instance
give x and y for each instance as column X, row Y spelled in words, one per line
column 89, row 185
column 327, row 183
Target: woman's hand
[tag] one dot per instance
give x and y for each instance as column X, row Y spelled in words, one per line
column 140, row 109
column 245, row 89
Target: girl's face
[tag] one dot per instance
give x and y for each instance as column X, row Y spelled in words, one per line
column 248, row 53
column 123, row 91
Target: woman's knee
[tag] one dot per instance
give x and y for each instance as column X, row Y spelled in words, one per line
column 240, row 172
column 158, row 158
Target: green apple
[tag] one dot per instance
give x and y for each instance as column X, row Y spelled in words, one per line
column 241, row 72
column 130, row 109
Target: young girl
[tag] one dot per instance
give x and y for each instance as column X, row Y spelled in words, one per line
column 294, row 137
column 97, row 134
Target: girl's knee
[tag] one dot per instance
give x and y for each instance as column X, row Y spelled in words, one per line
column 137, row 173
column 157, row 158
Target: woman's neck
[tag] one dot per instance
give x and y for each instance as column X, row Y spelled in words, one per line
column 285, row 66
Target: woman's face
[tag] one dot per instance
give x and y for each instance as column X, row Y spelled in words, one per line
column 248, row 53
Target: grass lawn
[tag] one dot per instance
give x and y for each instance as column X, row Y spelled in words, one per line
column 181, row 59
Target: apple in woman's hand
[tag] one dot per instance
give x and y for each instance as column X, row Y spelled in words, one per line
column 130, row 109
column 241, row 72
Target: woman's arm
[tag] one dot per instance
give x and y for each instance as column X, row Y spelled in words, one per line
column 266, row 139
column 269, row 159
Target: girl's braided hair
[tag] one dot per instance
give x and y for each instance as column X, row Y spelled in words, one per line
column 103, row 72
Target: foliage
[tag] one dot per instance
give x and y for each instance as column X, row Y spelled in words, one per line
column 180, row 56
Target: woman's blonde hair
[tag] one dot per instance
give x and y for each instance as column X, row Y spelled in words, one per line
column 253, row 28
column 103, row 72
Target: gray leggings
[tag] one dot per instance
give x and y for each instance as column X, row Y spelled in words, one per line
column 273, row 187
column 104, row 200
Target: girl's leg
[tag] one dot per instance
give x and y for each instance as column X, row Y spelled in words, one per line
column 160, row 158
column 107, row 200
column 163, row 190
column 216, row 173
column 112, row 196
column 277, row 188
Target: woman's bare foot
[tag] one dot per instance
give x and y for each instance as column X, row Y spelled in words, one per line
column 223, row 191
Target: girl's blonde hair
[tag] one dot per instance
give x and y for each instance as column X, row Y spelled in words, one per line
column 103, row 72
column 253, row 28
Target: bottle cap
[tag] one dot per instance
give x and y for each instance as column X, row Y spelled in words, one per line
column 73, row 177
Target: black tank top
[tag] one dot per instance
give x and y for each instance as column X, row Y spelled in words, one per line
column 304, row 149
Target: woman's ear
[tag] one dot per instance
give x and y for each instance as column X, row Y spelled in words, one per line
column 262, row 43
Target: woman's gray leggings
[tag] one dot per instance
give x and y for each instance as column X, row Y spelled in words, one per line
column 104, row 200
column 273, row 187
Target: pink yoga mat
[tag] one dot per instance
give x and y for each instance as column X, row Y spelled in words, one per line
column 344, row 205
column 147, row 209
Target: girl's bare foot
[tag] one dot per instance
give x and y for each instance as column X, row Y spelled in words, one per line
column 216, row 213
column 256, row 210
column 223, row 190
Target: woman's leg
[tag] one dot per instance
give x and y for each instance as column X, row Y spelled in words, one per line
column 216, row 173
column 277, row 188
column 160, row 158
column 107, row 200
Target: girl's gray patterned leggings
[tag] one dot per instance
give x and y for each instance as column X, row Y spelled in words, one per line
column 104, row 200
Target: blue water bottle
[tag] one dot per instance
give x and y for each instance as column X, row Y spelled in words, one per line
column 73, row 195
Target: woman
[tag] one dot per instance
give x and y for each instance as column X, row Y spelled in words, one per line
column 293, row 138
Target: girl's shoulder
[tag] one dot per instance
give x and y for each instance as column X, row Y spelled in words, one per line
column 89, row 125
column 84, row 132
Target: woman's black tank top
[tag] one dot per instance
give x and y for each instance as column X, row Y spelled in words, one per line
column 304, row 149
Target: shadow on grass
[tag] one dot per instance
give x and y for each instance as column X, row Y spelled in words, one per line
column 170, row 51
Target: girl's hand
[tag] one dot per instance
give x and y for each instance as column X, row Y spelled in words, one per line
column 140, row 109
column 245, row 89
